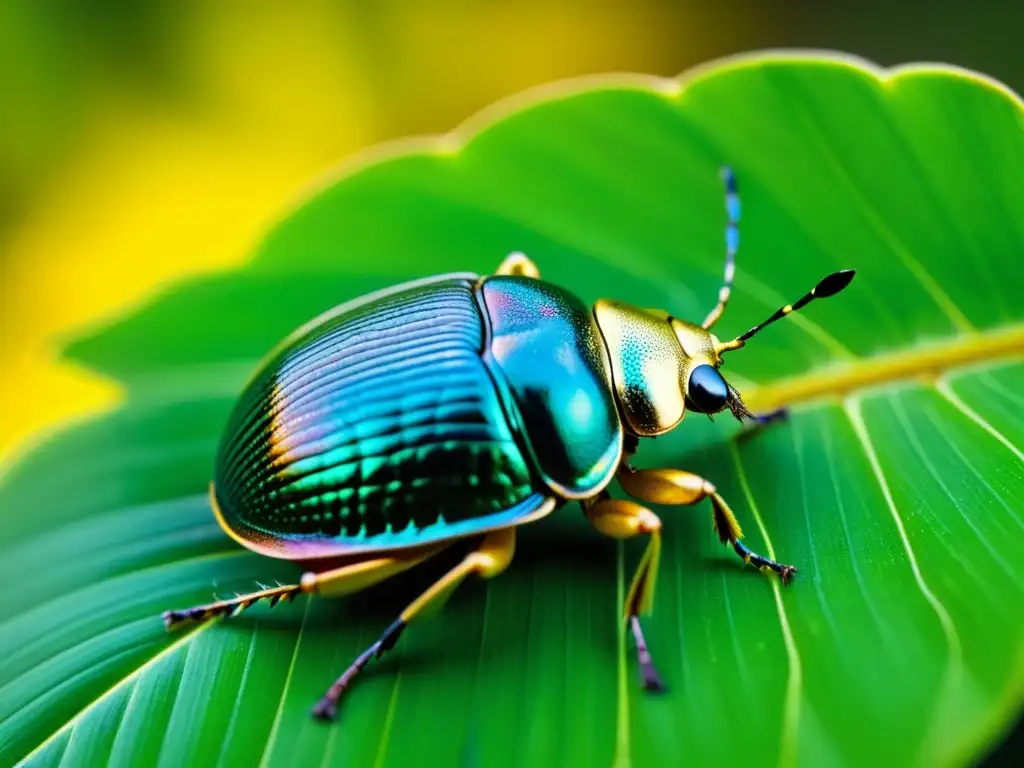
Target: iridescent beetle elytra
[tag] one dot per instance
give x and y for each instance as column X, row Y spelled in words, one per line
column 461, row 406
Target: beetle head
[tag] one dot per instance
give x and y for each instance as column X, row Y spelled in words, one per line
column 707, row 391
column 663, row 366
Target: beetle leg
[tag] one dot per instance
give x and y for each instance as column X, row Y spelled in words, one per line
column 517, row 263
column 775, row 415
column 624, row 519
column 491, row 558
column 361, row 575
column 675, row 487
column 763, row 419
column 339, row 581
column 232, row 607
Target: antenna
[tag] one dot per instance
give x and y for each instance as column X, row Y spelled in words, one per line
column 830, row 285
column 732, row 244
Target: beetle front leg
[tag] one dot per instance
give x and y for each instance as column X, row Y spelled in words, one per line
column 624, row 519
column 517, row 263
column 675, row 487
column 761, row 419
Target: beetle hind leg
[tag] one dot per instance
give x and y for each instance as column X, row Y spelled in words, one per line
column 232, row 607
column 489, row 559
column 331, row 583
column 624, row 519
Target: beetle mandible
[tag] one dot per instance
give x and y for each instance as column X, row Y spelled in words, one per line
column 460, row 405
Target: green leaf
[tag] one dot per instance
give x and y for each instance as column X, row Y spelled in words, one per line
column 896, row 486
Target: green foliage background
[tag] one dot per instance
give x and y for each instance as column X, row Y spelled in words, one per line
column 900, row 643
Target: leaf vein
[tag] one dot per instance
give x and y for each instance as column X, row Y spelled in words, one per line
column 883, row 629
column 226, row 736
column 131, row 677
column 389, row 719
column 948, row 440
column 947, row 392
column 794, row 680
column 911, row 432
column 955, row 662
column 272, row 736
column 621, row 758
column 798, row 452
column 955, row 315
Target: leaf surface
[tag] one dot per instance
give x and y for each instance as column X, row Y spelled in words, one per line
column 896, row 487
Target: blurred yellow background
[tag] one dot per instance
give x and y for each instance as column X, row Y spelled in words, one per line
column 143, row 141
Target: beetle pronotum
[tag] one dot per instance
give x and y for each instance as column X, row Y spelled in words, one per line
column 460, row 406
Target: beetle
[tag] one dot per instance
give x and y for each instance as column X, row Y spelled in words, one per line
column 460, row 407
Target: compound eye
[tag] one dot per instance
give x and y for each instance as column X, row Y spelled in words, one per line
column 707, row 390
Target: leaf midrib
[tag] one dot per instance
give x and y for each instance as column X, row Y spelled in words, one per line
column 930, row 361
